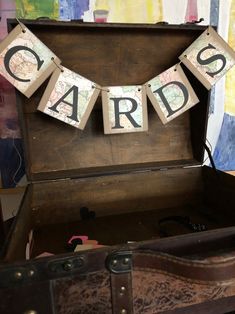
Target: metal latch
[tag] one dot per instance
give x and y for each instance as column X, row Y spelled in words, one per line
column 119, row 262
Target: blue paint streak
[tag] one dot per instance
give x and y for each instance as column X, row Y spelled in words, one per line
column 214, row 13
column 73, row 9
column 224, row 154
column 214, row 20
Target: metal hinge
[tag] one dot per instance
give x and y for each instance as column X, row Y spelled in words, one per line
column 119, row 262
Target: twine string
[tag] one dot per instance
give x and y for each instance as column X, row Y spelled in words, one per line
column 100, row 88
column 21, row 25
column 59, row 67
column 179, row 63
column 20, row 161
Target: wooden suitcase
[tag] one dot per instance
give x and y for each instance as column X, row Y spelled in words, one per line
column 140, row 194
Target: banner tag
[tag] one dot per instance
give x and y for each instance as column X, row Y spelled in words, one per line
column 69, row 97
column 124, row 109
column 209, row 57
column 25, row 61
column 171, row 93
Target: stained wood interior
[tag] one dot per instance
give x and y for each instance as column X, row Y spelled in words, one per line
column 127, row 207
column 111, row 55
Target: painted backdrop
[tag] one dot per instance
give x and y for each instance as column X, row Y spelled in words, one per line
column 221, row 130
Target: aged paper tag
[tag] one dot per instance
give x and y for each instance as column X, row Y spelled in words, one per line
column 69, row 97
column 124, row 109
column 25, row 61
column 209, row 57
column 171, row 93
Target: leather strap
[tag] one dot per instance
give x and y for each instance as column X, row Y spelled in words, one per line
column 195, row 270
column 122, row 293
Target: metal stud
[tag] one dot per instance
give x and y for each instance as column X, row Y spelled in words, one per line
column 126, row 261
column 122, row 290
column 123, row 311
column 18, row 275
column 31, row 273
column 114, row 262
column 68, row 266
column 30, row 312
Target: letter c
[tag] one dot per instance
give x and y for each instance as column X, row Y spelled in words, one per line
column 10, row 54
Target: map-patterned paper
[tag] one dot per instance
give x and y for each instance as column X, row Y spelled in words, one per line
column 178, row 95
column 133, row 104
column 209, row 38
column 23, row 63
column 68, row 94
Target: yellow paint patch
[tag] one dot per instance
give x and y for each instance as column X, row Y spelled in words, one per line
column 138, row 11
column 230, row 77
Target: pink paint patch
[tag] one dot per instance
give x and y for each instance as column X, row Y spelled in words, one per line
column 191, row 12
column 82, row 237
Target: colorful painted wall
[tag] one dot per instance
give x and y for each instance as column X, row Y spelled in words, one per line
column 221, row 130
column 224, row 153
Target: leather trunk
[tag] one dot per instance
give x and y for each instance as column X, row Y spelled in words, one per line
column 128, row 183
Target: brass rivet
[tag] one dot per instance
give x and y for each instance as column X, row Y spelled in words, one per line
column 31, row 273
column 18, row 275
column 122, row 290
column 114, row 262
column 67, row 266
column 123, row 311
column 126, row 260
column 30, row 312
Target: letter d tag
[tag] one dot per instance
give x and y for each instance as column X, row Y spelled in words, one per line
column 171, row 93
column 25, row 61
column 209, row 57
column 124, row 109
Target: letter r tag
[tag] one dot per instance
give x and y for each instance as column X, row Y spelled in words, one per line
column 124, row 109
column 171, row 93
column 209, row 57
column 25, row 61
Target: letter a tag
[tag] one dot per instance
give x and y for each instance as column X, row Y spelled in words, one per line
column 124, row 109
column 25, row 61
column 209, row 57
column 69, row 97
column 171, row 93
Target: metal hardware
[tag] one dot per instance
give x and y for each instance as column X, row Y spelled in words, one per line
column 30, row 312
column 196, row 21
column 18, row 275
column 119, row 262
column 123, row 311
column 66, row 265
column 31, row 273
column 122, row 290
column 114, row 262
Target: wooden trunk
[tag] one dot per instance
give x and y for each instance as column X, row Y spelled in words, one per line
column 129, row 182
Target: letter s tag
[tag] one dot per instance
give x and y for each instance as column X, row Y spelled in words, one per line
column 25, row 61
column 209, row 57
column 171, row 93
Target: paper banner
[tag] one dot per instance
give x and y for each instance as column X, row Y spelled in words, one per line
column 171, row 93
column 209, row 57
column 69, row 97
column 25, row 61
column 124, row 109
